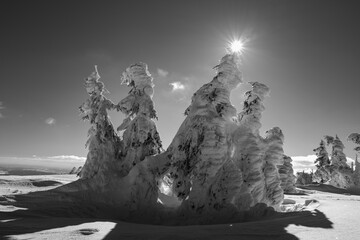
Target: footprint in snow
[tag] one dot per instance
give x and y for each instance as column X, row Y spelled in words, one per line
column 87, row 231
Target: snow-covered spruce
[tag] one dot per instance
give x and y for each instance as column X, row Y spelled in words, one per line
column 355, row 137
column 257, row 157
column 303, row 178
column 140, row 138
column 338, row 157
column 217, row 164
column 202, row 145
column 322, row 155
column 253, row 107
column 103, row 142
column 338, row 173
column 123, row 173
column 287, row 176
column 274, row 141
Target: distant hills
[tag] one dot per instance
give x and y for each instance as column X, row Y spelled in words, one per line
column 24, row 170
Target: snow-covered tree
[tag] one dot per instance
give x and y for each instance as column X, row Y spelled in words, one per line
column 274, row 140
column 287, row 176
column 322, row 155
column 216, row 165
column 355, row 138
column 338, row 173
column 201, row 147
column 303, row 178
column 103, row 141
column 253, row 106
column 338, row 158
column 140, row 138
column 255, row 156
column 329, row 139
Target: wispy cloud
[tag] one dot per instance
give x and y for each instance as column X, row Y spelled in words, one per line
column 162, row 72
column 50, row 121
column 182, row 87
column 177, row 86
column 306, row 163
column 68, row 157
column 1, row 108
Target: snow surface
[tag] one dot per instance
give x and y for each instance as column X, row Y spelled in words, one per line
column 323, row 213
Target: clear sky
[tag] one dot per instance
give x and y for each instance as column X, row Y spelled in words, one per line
column 307, row 52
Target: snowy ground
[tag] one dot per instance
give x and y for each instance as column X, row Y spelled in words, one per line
column 334, row 215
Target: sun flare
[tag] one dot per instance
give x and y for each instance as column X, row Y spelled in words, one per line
column 237, row 46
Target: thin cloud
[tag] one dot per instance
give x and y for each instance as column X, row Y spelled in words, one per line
column 1, row 108
column 177, row 86
column 68, row 157
column 50, row 121
column 181, row 88
column 162, row 72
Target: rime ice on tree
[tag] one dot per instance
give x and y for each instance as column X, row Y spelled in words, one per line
column 338, row 173
column 322, row 155
column 287, row 176
column 140, row 138
column 216, row 165
column 255, row 156
column 218, row 160
column 253, row 106
column 103, row 142
column 355, row 137
column 338, row 157
column 303, row 178
column 200, row 148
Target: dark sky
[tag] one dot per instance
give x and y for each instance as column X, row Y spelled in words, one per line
column 307, row 52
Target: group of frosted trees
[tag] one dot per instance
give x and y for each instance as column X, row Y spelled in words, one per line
column 338, row 157
column 335, row 170
column 140, row 137
column 217, row 159
column 355, row 138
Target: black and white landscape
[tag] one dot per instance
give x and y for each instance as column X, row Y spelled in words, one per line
column 179, row 119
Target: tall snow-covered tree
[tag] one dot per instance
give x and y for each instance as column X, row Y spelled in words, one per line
column 338, row 158
column 338, row 173
column 103, row 141
column 322, row 155
column 255, row 156
column 253, row 106
column 140, row 138
column 355, row 138
column 287, row 176
column 200, row 150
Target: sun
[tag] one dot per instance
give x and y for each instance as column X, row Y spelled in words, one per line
column 237, row 46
